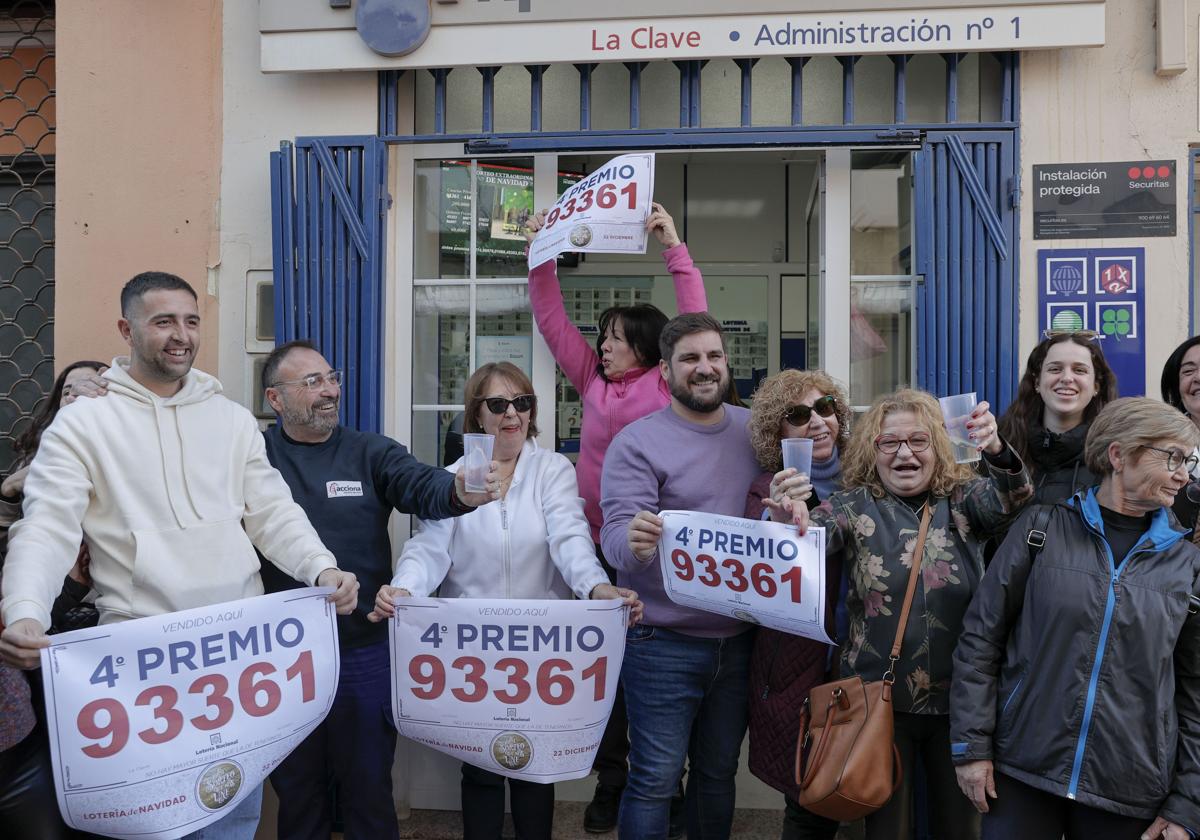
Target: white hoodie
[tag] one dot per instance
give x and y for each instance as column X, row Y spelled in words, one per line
column 161, row 489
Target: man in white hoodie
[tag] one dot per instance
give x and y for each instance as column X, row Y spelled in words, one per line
column 169, row 483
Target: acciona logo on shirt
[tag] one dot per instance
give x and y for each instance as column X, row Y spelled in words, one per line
column 338, row 489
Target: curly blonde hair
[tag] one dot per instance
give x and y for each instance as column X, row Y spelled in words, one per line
column 858, row 465
column 775, row 395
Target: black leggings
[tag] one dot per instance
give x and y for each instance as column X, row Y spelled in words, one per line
column 483, row 806
column 951, row 814
column 28, row 807
column 1031, row 814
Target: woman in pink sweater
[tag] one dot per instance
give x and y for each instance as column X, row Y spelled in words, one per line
column 618, row 380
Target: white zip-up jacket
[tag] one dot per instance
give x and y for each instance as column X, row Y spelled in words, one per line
column 533, row 543
column 170, row 493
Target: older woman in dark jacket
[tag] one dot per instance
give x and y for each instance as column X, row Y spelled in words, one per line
column 1075, row 705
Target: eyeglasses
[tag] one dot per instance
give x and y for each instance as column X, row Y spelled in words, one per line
column 314, row 381
column 889, row 445
column 1086, row 335
column 499, row 405
column 1175, row 458
column 800, row 415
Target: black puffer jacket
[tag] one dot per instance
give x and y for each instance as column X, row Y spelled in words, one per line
column 1056, row 463
column 1080, row 675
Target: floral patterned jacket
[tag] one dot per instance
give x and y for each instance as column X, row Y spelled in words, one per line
column 876, row 537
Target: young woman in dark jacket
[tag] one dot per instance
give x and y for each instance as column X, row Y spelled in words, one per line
column 1065, row 385
column 1075, row 703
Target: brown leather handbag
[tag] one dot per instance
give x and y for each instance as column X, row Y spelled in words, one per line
column 853, row 767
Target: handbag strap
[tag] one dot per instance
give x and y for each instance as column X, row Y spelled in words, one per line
column 918, row 556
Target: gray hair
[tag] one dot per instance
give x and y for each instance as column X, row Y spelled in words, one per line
column 1134, row 422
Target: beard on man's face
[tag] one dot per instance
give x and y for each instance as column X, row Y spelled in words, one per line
column 681, row 390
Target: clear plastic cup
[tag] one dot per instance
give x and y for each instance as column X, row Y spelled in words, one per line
column 797, row 454
column 477, row 459
column 956, row 411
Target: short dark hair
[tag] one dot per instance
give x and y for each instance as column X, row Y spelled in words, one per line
column 688, row 323
column 275, row 359
column 149, row 281
column 642, row 324
column 1170, row 374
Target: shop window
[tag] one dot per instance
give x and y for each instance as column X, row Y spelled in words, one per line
column 882, row 341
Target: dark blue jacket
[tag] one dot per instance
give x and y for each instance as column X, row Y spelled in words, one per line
column 1079, row 673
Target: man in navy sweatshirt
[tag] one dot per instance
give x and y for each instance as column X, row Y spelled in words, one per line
column 348, row 482
column 686, row 671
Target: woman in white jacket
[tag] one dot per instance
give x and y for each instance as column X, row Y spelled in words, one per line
column 533, row 543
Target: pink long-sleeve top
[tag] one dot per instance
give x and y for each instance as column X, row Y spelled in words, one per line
column 608, row 404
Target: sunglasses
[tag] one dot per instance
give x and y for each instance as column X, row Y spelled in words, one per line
column 1086, row 335
column 800, row 415
column 499, row 405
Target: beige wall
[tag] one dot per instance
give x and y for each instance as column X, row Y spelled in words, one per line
column 1108, row 105
column 139, row 152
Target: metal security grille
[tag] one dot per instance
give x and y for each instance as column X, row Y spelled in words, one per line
column 27, row 124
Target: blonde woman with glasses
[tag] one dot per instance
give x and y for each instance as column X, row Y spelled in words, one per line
column 899, row 469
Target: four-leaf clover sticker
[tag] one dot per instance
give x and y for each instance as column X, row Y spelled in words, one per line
column 1116, row 323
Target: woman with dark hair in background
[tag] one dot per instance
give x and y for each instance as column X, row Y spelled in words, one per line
column 1066, row 383
column 1180, row 385
column 27, row 800
column 618, row 382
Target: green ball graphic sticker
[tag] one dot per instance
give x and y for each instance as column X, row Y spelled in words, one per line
column 1117, row 323
column 1068, row 320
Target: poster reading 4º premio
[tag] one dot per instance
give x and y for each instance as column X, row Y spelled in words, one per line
column 519, row 687
column 604, row 213
column 161, row 726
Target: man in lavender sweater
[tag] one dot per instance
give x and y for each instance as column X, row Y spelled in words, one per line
column 686, row 671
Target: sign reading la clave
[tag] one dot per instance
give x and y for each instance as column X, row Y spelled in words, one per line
column 1126, row 199
column 295, row 37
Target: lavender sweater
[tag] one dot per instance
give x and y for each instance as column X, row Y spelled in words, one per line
column 663, row 462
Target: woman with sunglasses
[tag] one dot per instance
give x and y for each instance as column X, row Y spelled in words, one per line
column 1066, row 383
column 532, row 543
column 783, row 667
column 1075, row 705
column 899, row 468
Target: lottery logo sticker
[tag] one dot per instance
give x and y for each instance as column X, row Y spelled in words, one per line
column 218, row 785
column 581, row 235
column 1065, row 275
column 1068, row 317
column 1117, row 320
column 512, row 750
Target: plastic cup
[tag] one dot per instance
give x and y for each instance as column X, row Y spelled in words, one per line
column 477, row 460
column 956, row 411
column 797, row 454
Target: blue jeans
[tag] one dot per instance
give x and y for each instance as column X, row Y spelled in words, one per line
column 687, row 698
column 353, row 748
column 239, row 824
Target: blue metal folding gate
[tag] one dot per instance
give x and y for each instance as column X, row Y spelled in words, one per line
column 328, row 202
column 966, row 249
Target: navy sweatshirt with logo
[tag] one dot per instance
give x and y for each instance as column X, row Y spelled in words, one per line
column 349, row 485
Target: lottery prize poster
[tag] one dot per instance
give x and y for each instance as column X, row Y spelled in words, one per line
column 603, row 213
column 755, row 571
column 160, row 726
column 1102, row 290
column 519, row 687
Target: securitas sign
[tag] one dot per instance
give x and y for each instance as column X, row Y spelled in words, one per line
column 1104, row 200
